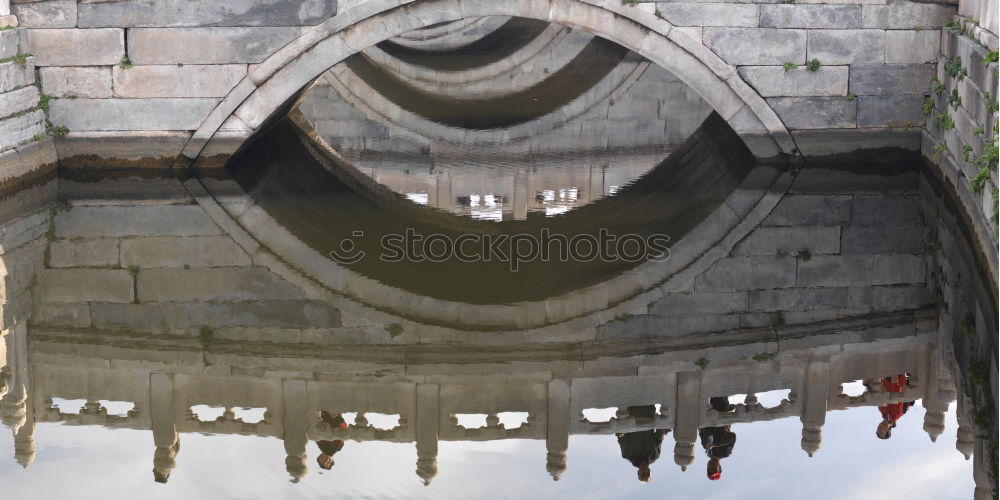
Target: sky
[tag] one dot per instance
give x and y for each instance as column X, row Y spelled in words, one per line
column 767, row 462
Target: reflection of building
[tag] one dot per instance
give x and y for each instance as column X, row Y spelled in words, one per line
column 164, row 378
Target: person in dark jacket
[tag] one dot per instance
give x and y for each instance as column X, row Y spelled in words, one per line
column 718, row 443
column 329, row 448
column 641, row 448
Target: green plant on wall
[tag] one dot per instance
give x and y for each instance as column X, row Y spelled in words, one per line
column 813, row 65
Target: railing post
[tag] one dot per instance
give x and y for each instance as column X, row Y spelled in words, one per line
column 427, row 424
column 814, row 405
column 296, row 424
column 163, row 414
column 557, row 427
column 689, row 403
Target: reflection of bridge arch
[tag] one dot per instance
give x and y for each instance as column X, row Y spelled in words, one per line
column 282, row 75
column 587, row 307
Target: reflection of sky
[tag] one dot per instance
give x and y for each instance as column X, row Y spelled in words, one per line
column 93, row 462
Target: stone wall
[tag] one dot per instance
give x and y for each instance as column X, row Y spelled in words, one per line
column 960, row 131
column 875, row 62
column 155, row 71
column 25, row 144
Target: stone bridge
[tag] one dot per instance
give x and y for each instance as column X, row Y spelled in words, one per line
column 172, row 76
column 190, row 67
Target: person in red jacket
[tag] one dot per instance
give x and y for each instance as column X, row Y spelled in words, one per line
column 892, row 412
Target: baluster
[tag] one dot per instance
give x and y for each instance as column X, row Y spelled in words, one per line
column 493, row 421
column 360, row 420
column 557, row 428
column 428, row 408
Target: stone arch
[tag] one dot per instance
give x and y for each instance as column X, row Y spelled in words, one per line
column 278, row 78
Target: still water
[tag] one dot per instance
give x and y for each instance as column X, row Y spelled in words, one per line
column 490, row 259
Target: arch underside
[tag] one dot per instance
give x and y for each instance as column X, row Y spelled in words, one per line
column 271, row 84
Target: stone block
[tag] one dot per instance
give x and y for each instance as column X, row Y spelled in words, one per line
column 21, row 128
column 815, row 112
column 76, row 47
column 875, row 240
column 775, row 81
column 700, row 303
column 79, row 81
column 899, row 269
column 906, row 15
column 37, row 158
column 709, row 14
column 847, row 46
column 798, row 299
column 206, row 45
column 811, row 210
column 742, row 46
column 910, row 46
column 84, row 252
column 165, row 316
column 810, row 16
column 790, row 240
column 143, row 149
column 194, row 251
column 884, row 211
column 835, row 271
column 13, row 75
column 131, row 114
column 747, row 273
column 71, row 315
column 85, row 285
column 222, row 284
column 647, row 326
column 118, row 221
column 151, row 13
column 890, row 110
column 10, row 40
column 18, row 100
column 891, row 79
column 46, row 14
column 177, row 81
column 895, row 298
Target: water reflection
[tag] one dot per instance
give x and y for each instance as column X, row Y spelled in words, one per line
column 303, row 396
column 195, row 336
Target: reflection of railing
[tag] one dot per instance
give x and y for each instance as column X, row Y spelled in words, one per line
column 425, row 409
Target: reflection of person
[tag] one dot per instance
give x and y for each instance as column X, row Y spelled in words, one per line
column 892, row 412
column 164, row 461
column 641, row 448
column 721, row 404
column 718, row 443
column 328, row 448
